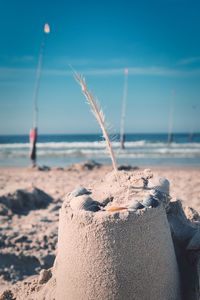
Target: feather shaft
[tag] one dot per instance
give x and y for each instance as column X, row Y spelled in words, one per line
column 98, row 113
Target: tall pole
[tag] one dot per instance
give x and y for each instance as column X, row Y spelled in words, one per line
column 171, row 118
column 34, row 129
column 123, row 111
column 191, row 135
column 38, row 75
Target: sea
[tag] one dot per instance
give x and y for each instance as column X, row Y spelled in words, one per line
column 60, row 150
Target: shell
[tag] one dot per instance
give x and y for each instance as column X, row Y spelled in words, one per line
column 80, row 191
column 150, row 201
column 162, row 185
column 84, row 202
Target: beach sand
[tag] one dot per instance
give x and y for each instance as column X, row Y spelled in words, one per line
column 28, row 240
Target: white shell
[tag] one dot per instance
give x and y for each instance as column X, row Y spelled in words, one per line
column 81, row 203
column 79, row 191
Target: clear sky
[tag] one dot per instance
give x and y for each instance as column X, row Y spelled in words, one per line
column 159, row 41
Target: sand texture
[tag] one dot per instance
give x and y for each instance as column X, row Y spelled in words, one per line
column 116, row 256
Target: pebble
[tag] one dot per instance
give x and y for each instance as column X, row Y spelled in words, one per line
column 44, row 276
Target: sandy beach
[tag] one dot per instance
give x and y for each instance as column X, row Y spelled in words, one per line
column 57, row 182
column 29, row 238
column 99, row 150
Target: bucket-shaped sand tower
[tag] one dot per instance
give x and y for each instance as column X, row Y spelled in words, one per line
column 119, row 255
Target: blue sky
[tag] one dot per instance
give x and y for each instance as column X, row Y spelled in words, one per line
column 159, row 41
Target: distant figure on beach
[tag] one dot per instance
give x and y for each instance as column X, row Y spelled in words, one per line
column 33, row 141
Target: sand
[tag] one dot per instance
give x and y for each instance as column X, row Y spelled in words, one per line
column 30, row 239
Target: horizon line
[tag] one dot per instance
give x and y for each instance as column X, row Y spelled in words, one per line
column 127, row 133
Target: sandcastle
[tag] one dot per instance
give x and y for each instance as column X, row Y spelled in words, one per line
column 110, row 249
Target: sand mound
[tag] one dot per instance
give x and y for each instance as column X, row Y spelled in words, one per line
column 40, row 287
column 22, row 201
column 27, row 238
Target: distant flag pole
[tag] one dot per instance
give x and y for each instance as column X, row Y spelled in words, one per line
column 171, row 118
column 123, row 111
column 191, row 135
column 34, row 130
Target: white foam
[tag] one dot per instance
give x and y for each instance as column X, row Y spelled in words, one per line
column 97, row 149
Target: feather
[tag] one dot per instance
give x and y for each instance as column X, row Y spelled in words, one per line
column 99, row 115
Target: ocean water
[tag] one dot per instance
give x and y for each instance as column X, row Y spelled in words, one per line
column 63, row 150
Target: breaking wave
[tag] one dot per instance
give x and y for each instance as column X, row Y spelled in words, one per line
column 134, row 149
